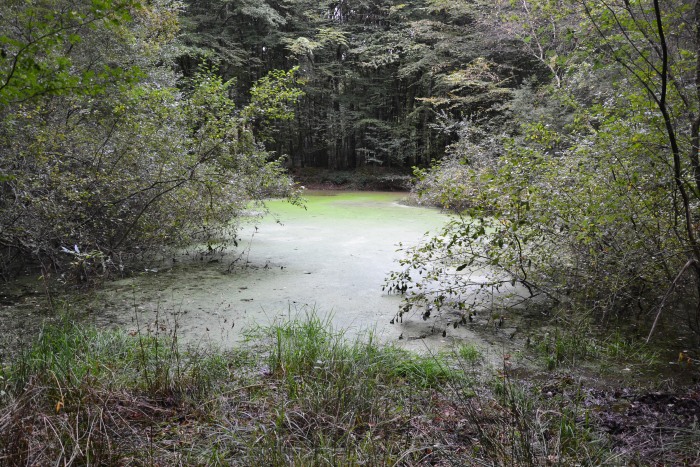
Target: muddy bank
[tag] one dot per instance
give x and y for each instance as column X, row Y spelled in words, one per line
column 373, row 178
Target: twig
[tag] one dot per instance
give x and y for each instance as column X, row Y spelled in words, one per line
column 691, row 262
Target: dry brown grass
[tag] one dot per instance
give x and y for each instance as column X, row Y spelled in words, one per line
column 306, row 396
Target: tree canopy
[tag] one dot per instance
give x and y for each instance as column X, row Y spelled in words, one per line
column 564, row 134
column 591, row 205
column 385, row 82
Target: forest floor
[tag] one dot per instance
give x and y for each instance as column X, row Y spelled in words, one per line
column 367, row 178
column 301, row 393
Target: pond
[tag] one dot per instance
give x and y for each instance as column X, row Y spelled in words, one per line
column 330, row 258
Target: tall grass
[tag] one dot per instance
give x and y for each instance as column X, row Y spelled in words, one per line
column 79, row 396
column 300, row 394
column 572, row 348
column 515, row 424
column 343, row 402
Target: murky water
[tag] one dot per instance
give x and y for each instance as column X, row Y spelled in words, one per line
column 331, row 257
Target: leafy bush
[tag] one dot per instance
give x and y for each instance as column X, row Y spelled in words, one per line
column 98, row 168
column 594, row 212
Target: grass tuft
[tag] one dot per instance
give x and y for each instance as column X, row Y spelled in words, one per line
column 83, row 396
column 304, row 394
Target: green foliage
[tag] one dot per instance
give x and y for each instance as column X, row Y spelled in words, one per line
column 425, row 371
column 469, row 353
column 308, row 349
column 93, row 180
column 95, row 391
column 272, row 99
column 547, row 30
column 81, row 396
column 564, row 348
column 68, row 357
column 590, row 204
column 273, row 95
column 579, row 345
column 411, row 69
column 37, row 47
column 334, row 396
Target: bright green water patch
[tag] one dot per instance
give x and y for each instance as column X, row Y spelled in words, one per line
column 382, row 209
column 331, row 256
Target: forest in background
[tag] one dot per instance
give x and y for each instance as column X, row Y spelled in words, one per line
column 564, row 133
column 385, row 83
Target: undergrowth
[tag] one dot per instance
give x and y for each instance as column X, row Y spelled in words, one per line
column 301, row 393
column 570, row 348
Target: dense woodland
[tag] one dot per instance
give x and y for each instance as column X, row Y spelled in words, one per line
column 564, row 133
column 563, row 136
column 385, row 83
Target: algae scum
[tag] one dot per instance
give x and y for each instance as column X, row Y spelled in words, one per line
column 331, row 257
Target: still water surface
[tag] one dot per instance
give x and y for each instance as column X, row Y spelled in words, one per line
column 331, row 257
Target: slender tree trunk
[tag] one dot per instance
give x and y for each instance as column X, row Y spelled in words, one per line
column 695, row 126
